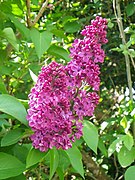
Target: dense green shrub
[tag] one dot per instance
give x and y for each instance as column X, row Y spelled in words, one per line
column 29, row 40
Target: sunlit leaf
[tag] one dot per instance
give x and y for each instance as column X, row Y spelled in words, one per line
column 90, row 135
column 11, row 106
column 10, row 36
column 123, row 122
column 128, row 141
column 72, row 27
column 115, row 146
column 126, row 157
column 20, row 26
column 75, row 157
column 16, row 10
column 41, row 40
column 130, row 173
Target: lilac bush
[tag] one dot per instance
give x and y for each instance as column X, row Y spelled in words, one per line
column 59, row 100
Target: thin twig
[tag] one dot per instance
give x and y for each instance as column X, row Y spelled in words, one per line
column 28, row 13
column 40, row 13
column 121, row 177
column 116, row 6
column 105, row 113
column 117, row 170
column 58, row 2
column 112, row 82
column 117, row 11
column 132, row 60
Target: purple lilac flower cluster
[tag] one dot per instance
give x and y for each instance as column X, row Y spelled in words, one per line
column 59, row 100
column 50, row 115
column 87, row 53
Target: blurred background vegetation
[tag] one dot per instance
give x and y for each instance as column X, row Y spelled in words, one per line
column 31, row 36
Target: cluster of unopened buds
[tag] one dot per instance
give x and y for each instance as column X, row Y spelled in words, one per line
column 64, row 95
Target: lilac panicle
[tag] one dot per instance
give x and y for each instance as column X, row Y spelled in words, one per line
column 86, row 53
column 59, row 100
column 49, row 115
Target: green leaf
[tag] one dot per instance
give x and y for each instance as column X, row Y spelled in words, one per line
column 4, row 70
column 60, row 173
column 47, row 158
column 12, row 137
column 63, row 160
column 72, row 27
column 128, row 141
column 59, row 52
column 10, row 166
column 126, row 157
column 115, row 146
column 2, row 87
column 11, row 106
column 21, row 152
column 20, row 177
column 102, row 147
column 123, row 122
column 110, row 24
column 54, row 161
column 116, row 49
column 59, row 33
column 41, row 40
column 21, row 27
column 34, row 156
column 75, row 157
column 16, row 10
column 130, row 9
column 3, row 122
column 35, row 2
column 19, row 4
column 90, row 135
column 10, row 36
column 130, row 173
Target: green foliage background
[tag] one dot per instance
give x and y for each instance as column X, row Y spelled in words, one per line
column 107, row 149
